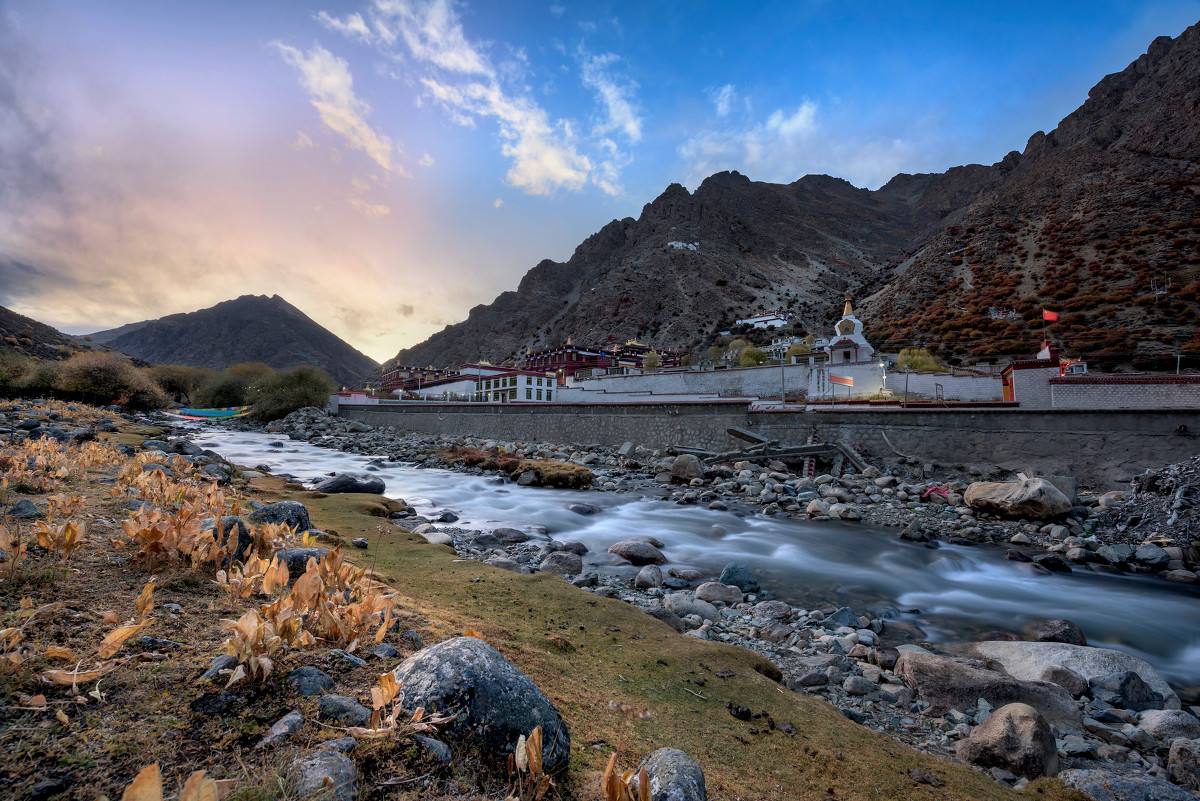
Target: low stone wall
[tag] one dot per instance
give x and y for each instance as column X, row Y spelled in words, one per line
column 1125, row 392
column 653, row 425
column 1100, row 449
column 954, row 387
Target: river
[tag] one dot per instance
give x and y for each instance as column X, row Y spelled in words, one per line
column 952, row 592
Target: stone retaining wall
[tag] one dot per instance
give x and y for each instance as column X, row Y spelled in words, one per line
column 1101, row 449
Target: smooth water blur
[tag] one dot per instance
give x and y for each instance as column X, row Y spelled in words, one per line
column 961, row 592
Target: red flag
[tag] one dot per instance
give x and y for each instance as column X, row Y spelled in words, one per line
column 1049, row 316
column 844, row 380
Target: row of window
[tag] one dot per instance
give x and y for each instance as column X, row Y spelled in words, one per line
column 498, row 396
column 511, row 381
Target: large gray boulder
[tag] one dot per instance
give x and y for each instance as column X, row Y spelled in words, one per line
column 493, row 702
column 291, row 513
column 562, row 563
column 1032, row 497
column 950, row 683
column 637, row 552
column 686, row 467
column 673, row 776
column 1027, row 660
column 1107, row 785
column 351, row 482
column 1168, row 724
column 1016, row 738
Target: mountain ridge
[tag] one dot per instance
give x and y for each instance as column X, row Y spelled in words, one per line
column 803, row 245
column 247, row 328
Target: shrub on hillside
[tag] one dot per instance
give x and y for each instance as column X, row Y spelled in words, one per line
column 284, row 392
column 109, row 378
column 917, row 360
column 751, row 357
column 13, row 368
column 41, row 378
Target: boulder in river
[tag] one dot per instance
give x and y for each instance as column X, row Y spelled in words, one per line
column 1016, row 738
column 351, row 482
column 740, row 576
column 951, row 683
column 713, row 591
column 673, row 776
column 1057, row 630
column 493, row 702
column 637, row 552
column 1031, row 497
column 1027, row 660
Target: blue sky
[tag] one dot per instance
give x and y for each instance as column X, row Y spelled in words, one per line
column 387, row 164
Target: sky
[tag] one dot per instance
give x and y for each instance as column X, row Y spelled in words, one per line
column 385, row 165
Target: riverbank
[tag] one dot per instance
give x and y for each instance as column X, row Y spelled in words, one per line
column 833, row 652
column 623, row 680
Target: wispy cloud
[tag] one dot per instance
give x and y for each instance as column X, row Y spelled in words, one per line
column 426, row 160
column 615, row 94
column 368, row 209
column 459, row 75
column 557, row 10
column 352, row 25
column 330, row 88
column 498, row 203
column 723, row 99
column 792, row 142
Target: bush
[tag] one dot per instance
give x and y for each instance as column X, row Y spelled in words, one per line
column 751, row 357
column 109, row 378
column 41, row 379
column 285, row 392
column 234, row 386
column 180, row 381
column 917, row 360
column 651, row 361
column 14, row 367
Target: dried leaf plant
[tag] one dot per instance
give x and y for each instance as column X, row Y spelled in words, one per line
column 525, row 770
column 615, row 786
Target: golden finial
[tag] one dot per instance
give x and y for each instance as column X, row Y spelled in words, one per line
column 848, row 311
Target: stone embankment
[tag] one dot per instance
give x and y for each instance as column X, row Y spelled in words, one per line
column 1019, row 709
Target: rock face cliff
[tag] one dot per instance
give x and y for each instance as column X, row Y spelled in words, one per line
column 251, row 328
column 1087, row 220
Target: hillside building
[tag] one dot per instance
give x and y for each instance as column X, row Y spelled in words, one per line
column 774, row 318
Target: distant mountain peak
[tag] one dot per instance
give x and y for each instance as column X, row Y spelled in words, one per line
column 262, row 328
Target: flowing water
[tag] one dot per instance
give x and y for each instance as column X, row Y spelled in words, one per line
column 960, row 592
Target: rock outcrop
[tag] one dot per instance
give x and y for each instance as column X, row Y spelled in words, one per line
column 1027, row 660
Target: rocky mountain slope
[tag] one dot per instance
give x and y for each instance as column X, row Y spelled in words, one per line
column 251, row 328
column 31, row 338
column 1088, row 219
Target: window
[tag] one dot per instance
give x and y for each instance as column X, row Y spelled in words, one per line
column 539, row 394
column 529, row 393
column 512, row 394
column 548, row 395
